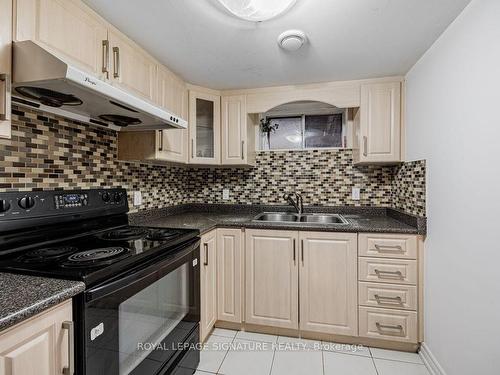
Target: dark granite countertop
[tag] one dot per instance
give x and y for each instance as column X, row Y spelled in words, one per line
column 206, row 217
column 23, row 296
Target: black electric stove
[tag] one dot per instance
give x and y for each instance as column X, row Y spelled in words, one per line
column 132, row 273
column 94, row 256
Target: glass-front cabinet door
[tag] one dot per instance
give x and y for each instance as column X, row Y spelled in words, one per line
column 204, row 128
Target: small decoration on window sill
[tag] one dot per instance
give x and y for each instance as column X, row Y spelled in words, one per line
column 267, row 128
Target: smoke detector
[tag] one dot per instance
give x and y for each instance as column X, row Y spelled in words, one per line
column 292, row 40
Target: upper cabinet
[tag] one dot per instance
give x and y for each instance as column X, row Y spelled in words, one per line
column 204, row 128
column 72, row 31
column 5, row 66
column 67, row 29
column 238, row 135
column 377, row 124
column 172, row 92
column 132, row 69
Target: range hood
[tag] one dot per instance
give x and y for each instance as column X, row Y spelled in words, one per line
column 45, row 81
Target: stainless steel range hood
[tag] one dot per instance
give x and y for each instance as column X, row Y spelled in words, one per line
column 45, row 81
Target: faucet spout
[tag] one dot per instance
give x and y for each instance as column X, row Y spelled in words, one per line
column 297, row 203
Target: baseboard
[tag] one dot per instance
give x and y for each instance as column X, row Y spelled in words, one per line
column 430, row 361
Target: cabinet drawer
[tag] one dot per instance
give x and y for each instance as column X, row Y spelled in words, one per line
column 387, row 245
column 396, row 271
column 394, row 325
column 387, row 295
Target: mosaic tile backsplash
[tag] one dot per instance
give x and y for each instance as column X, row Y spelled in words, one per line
column 408, row 187
column 48, row 152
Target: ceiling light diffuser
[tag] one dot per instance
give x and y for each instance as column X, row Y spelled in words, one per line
column 257, row 10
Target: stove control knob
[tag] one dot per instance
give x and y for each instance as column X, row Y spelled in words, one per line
column 117, row 197
column 105, row 196
column 4, row 206
column 26, row 203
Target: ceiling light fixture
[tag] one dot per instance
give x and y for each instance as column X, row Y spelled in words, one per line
column 257, row 10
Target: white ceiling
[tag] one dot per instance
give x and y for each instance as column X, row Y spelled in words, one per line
column 349, row 39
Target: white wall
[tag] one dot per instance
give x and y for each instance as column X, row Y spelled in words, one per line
column 453, row 121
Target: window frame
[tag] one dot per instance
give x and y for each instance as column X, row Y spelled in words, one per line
column 262, row 137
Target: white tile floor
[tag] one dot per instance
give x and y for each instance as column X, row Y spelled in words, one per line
column 239, row 353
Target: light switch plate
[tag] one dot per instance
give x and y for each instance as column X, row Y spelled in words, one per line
column 356, row 193
column 137, row 198
column 225, row 194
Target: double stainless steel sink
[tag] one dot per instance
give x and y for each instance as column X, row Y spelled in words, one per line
column 290, row 217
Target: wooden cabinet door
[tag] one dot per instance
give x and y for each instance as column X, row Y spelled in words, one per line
column 132, row 69
column 172, row 145
column 234, row 130
column 229, row 275
column 208, row 283
column 38, row 346
column 5, row 67
column 172, row 92
column 204, row 128
column 271, row 272
column 328, row 283
column 379, row 138
column 67, row 28
column 172, row 95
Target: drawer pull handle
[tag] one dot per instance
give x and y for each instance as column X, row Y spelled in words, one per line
column 116, row 62
column 392, row 248
column 69, row 326
column 105, row 57
column 5, row 106
column 396, row 300
column 389, row 274
column 205, row 262
column 382, row 327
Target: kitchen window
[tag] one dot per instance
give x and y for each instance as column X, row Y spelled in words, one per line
column 304, row 132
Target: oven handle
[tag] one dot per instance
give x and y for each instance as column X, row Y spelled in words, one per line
column 153, row 268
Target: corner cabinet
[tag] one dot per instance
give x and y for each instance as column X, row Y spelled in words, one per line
column 170, row 145
column 208, row 279
column 172, row 95
column 40, row 345
column 204, row 128
column 238, row 132
column 377, row 124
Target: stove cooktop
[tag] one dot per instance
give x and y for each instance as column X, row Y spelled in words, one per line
column 95, row 256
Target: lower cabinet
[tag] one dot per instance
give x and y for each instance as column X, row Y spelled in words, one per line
column 328, row 283
column 39, row 346
column 208, row 277
column 229, row 275
column 311, row 275
column 389, row 287
column 314, row 282
column 272, row 278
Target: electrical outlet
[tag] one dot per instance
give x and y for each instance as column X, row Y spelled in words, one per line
column 137, row 198
column 356, row 193
column 225, row 194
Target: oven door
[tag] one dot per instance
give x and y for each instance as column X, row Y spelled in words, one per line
column 139, row 323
